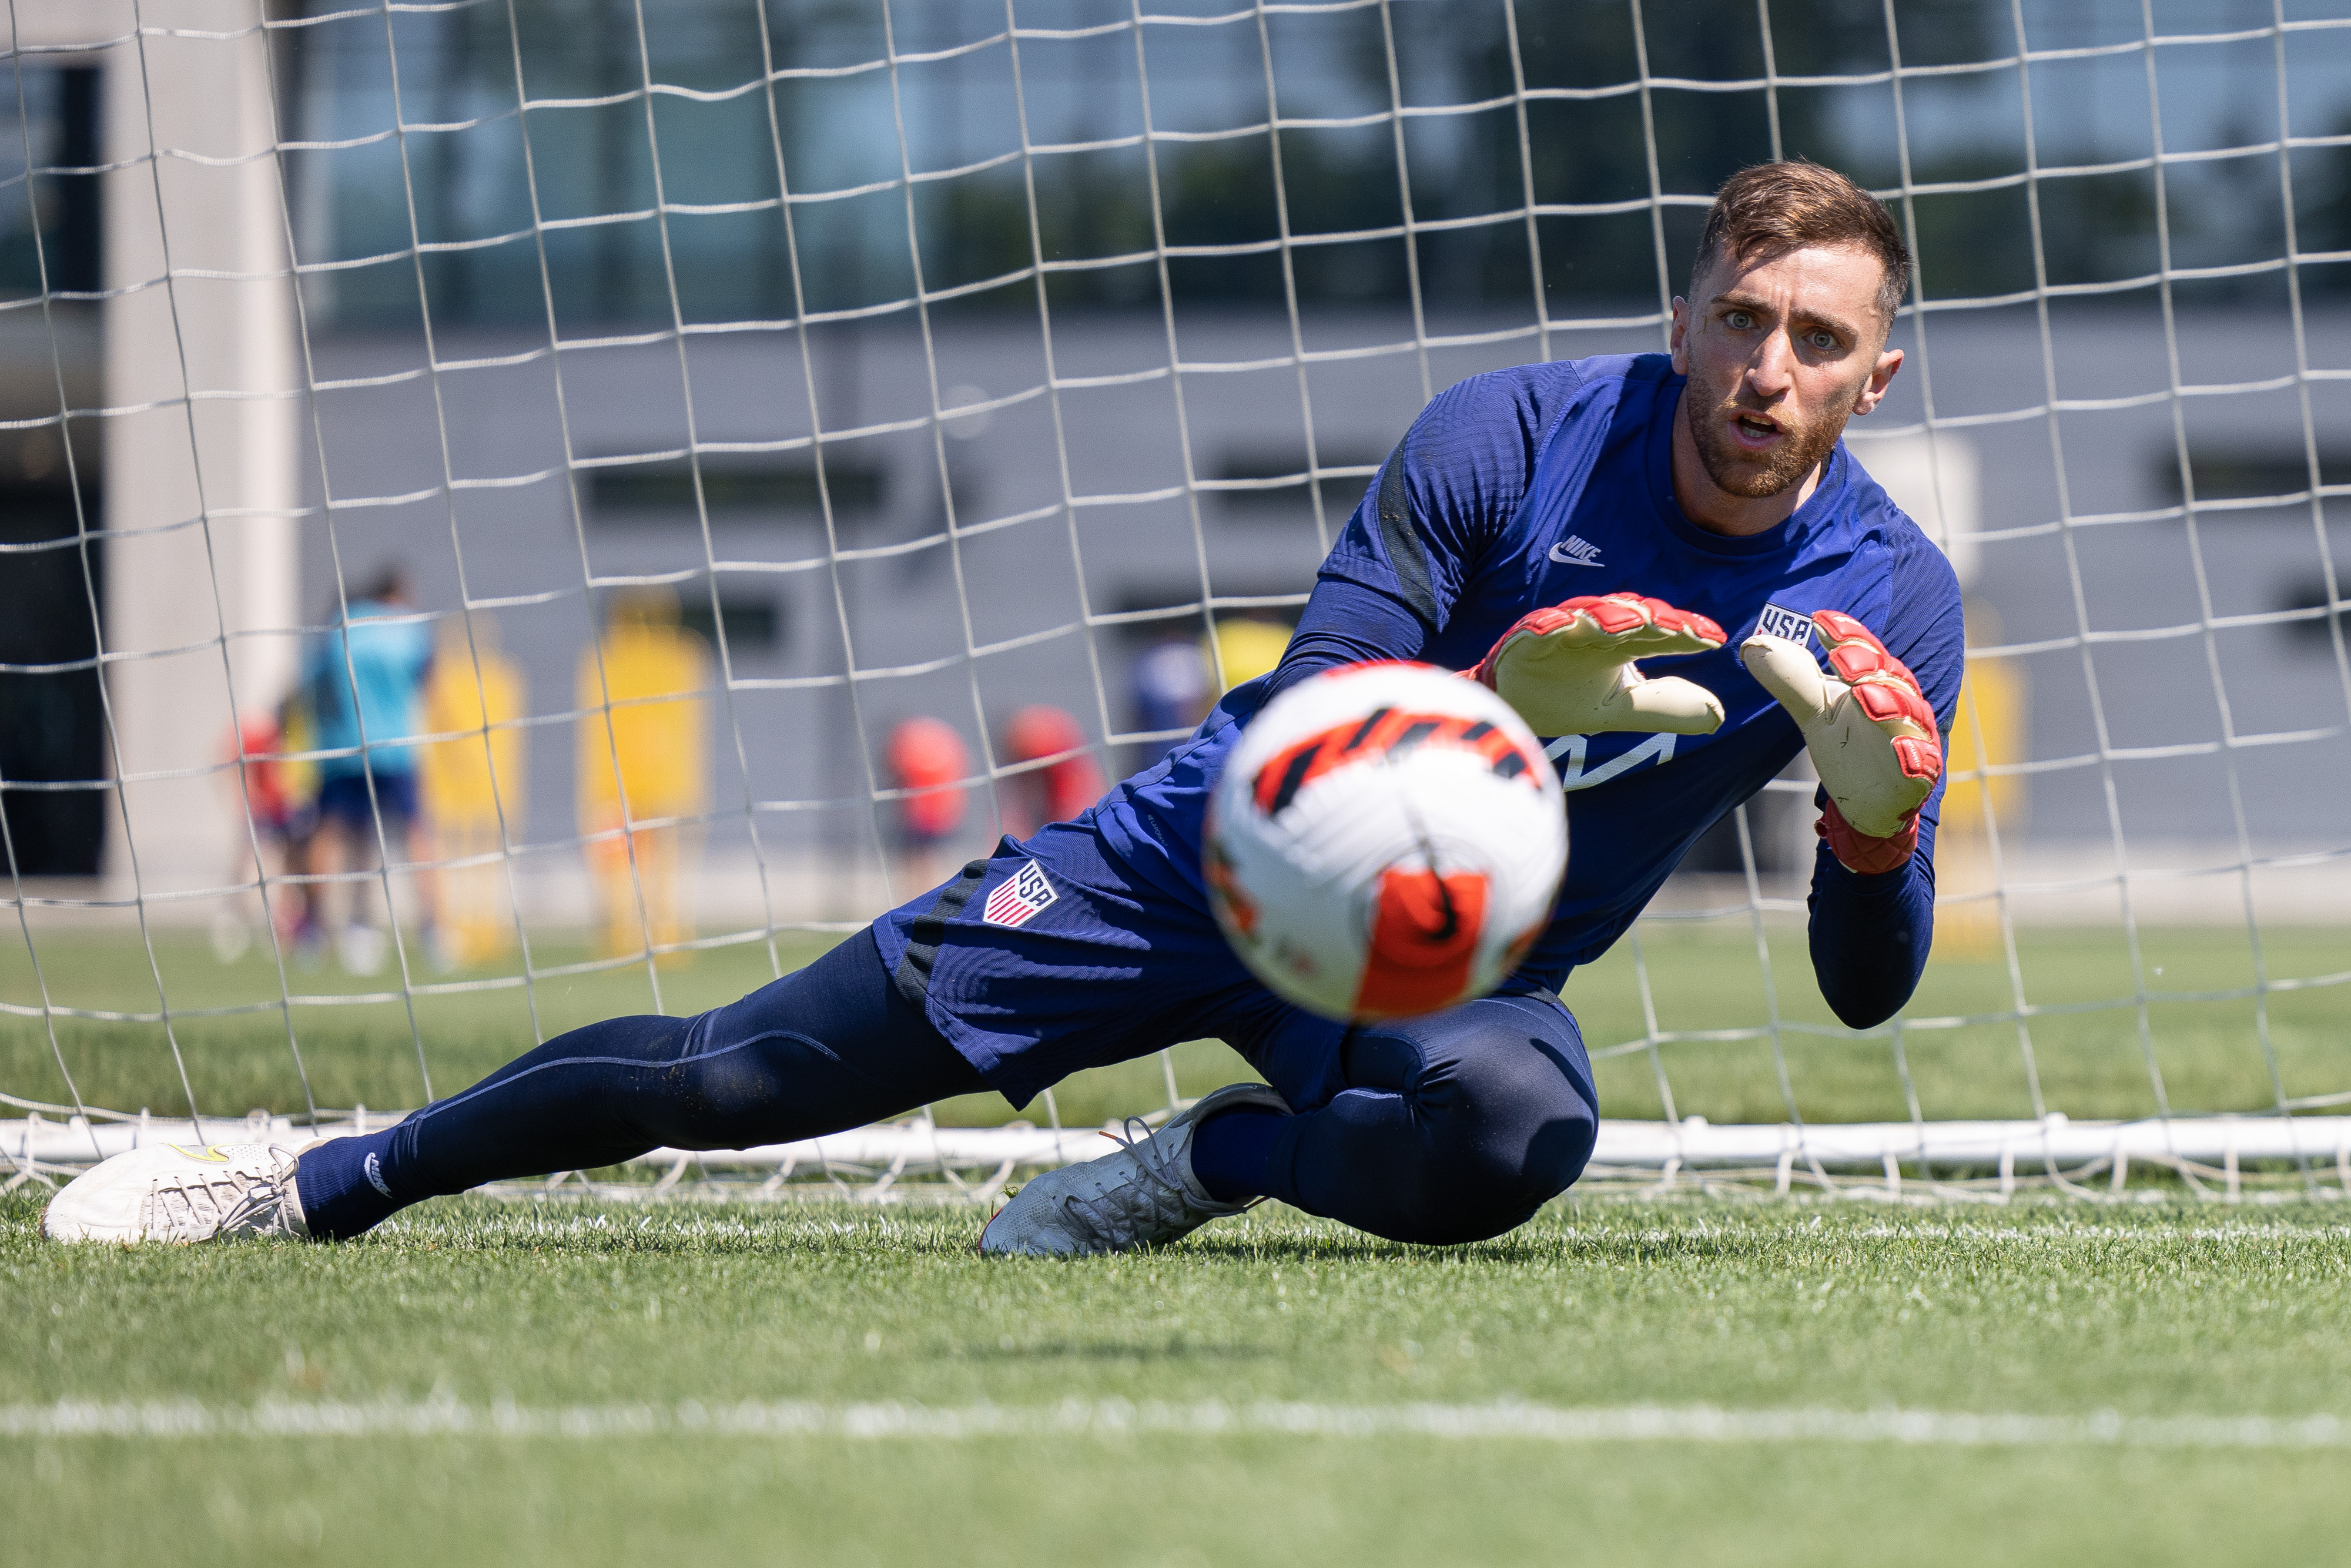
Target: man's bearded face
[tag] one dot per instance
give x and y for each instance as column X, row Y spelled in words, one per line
column 1779, row 352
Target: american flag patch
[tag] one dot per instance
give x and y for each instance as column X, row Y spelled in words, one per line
column 1017, row 900
column 1778, row 622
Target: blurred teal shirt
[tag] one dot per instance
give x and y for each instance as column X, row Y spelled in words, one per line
column 388, row 659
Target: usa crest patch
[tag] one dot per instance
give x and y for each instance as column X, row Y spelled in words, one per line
column 1777, row 621
column 1018, row 899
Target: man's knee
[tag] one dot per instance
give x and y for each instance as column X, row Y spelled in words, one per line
column 1511, row 1123
column 775, row 1087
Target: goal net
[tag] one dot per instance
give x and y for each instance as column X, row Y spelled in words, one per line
column 515, row 511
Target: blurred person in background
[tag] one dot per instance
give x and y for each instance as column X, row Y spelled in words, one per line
column 1171, row 694
column 1175, row 679
column 1059, row 790
column 1247, row 647
column 1981, row 808
column 261, row 811
column 473, row 791
column 926, row 757
column 296, row 907
column 642, row 778
column 364, row 685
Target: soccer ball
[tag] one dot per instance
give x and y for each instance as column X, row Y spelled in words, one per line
column 1386, row 839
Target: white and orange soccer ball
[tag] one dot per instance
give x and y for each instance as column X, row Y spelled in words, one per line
column 1386, row 840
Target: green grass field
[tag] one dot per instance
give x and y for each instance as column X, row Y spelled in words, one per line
column 623, row 1316
column 561, row 1382
column 1703, row 977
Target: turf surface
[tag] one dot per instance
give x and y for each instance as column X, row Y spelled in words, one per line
column 2157, row 1312
column 2148, row 1311
column 2103, row 1062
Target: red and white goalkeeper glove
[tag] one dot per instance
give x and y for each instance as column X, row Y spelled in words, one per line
column 1569, row 670
column 1869, row 729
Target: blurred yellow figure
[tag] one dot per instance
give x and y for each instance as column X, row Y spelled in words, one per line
column 465, row 785
column 1248, row 648
column 297, row 906
column 1989, row 730
column 649, row 759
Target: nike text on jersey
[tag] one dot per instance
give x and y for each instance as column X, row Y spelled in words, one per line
column 1576, row 550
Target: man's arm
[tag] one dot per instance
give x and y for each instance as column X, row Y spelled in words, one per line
column 1871, row 935
column 1346, row 623
column 1438, row 505
column 1445, row 493
column 1870, row 930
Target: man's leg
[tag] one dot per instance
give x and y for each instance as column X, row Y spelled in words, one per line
column 420, row 849
column 831, row 1046
column 1453, row 1127
column 329, row 900
column 1439, row 1130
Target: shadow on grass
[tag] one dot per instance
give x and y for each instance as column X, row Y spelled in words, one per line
column 1551, row 1237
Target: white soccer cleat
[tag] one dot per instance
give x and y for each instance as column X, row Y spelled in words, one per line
column 167, row 1193
column 1140, row 1195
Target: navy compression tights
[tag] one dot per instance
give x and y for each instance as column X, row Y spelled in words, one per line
column 1452, row 1128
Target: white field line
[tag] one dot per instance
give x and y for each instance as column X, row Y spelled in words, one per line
column 1212, row 1418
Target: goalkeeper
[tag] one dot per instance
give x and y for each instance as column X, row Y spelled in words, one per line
column 1543, row 526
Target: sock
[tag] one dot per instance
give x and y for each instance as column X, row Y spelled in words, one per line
column 341, row 1184
column 1232, row 1150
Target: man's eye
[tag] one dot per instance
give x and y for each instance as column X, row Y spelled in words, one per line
column 1738, row 321
column 1824, row 342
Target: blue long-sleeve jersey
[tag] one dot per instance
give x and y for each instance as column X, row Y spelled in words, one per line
column 1527, row 486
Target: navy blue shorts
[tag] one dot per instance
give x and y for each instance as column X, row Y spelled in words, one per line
column 1051, row 955
column 343, row 797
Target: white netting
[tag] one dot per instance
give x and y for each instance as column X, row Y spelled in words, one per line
column 734, row 384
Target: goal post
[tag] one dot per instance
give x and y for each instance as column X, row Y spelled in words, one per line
column 812, row 440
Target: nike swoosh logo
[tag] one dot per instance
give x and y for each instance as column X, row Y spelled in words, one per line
column 207, row 1153
column 1559, row 553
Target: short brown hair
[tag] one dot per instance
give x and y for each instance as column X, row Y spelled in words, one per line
column 1768, row 209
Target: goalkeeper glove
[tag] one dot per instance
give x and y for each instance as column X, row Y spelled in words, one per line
column 1569, row 670
column 1870, row 734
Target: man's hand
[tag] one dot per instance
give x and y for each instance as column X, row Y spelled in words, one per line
column 1869, row 729
column 1568, row 669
